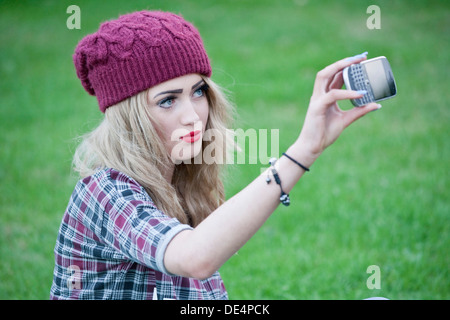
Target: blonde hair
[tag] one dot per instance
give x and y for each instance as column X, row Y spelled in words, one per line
column 126, row 140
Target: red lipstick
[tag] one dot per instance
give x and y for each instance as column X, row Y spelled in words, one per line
column 192, row 136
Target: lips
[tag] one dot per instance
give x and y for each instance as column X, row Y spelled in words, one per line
column 192, row 136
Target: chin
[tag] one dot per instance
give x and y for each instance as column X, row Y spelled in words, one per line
column 187, row 153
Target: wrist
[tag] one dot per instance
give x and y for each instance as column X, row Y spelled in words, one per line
column 300, row 152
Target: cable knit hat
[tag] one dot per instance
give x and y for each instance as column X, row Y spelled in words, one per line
column 136, row 52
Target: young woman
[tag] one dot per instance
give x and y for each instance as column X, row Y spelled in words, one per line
column 146, row 221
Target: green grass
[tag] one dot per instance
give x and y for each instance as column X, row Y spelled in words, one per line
column 378, row 196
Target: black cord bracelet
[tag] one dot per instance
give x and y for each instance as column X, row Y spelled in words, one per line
column 295, row 161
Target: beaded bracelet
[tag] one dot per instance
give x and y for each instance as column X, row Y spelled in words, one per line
column 284, row 198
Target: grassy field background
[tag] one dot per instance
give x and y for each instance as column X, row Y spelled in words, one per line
column 378, row 196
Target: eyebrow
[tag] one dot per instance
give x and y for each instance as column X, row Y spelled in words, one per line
column 179, row 90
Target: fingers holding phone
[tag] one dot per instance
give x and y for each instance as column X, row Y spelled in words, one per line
column 374, row 77
column 326, row 76
column 324, row 120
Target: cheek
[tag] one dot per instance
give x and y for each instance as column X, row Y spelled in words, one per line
column 203, row 114
column 164, row 131
column 166, row 137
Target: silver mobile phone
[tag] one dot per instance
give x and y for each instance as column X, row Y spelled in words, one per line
column 373, row 75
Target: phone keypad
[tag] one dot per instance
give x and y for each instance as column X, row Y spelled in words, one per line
column 361, row 83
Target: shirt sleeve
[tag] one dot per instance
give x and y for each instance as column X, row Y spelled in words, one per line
column 132, row 224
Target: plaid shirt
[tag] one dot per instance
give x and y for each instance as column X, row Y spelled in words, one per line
column 111, row 245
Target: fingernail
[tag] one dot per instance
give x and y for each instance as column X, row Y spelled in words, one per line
column 358, row 56
column 362, row 92
column 378, row 107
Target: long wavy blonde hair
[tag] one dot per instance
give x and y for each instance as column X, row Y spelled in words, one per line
column 126, row 140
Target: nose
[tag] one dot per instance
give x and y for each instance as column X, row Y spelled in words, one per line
column 189, row 114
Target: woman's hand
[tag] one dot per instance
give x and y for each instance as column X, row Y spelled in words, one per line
column 200, row 252
column 324, row 120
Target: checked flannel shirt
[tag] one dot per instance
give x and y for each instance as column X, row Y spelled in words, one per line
column 111, row 245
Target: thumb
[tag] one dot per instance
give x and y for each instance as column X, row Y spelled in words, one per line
column 357, row 112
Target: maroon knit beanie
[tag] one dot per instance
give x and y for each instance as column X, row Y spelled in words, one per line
column 136, row 52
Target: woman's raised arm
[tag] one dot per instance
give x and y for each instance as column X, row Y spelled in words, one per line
column 198, row 253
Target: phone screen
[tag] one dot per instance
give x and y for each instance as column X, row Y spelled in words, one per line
column 378, row 79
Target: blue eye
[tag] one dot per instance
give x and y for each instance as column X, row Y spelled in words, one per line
column 166, row 102
column 200, row 92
